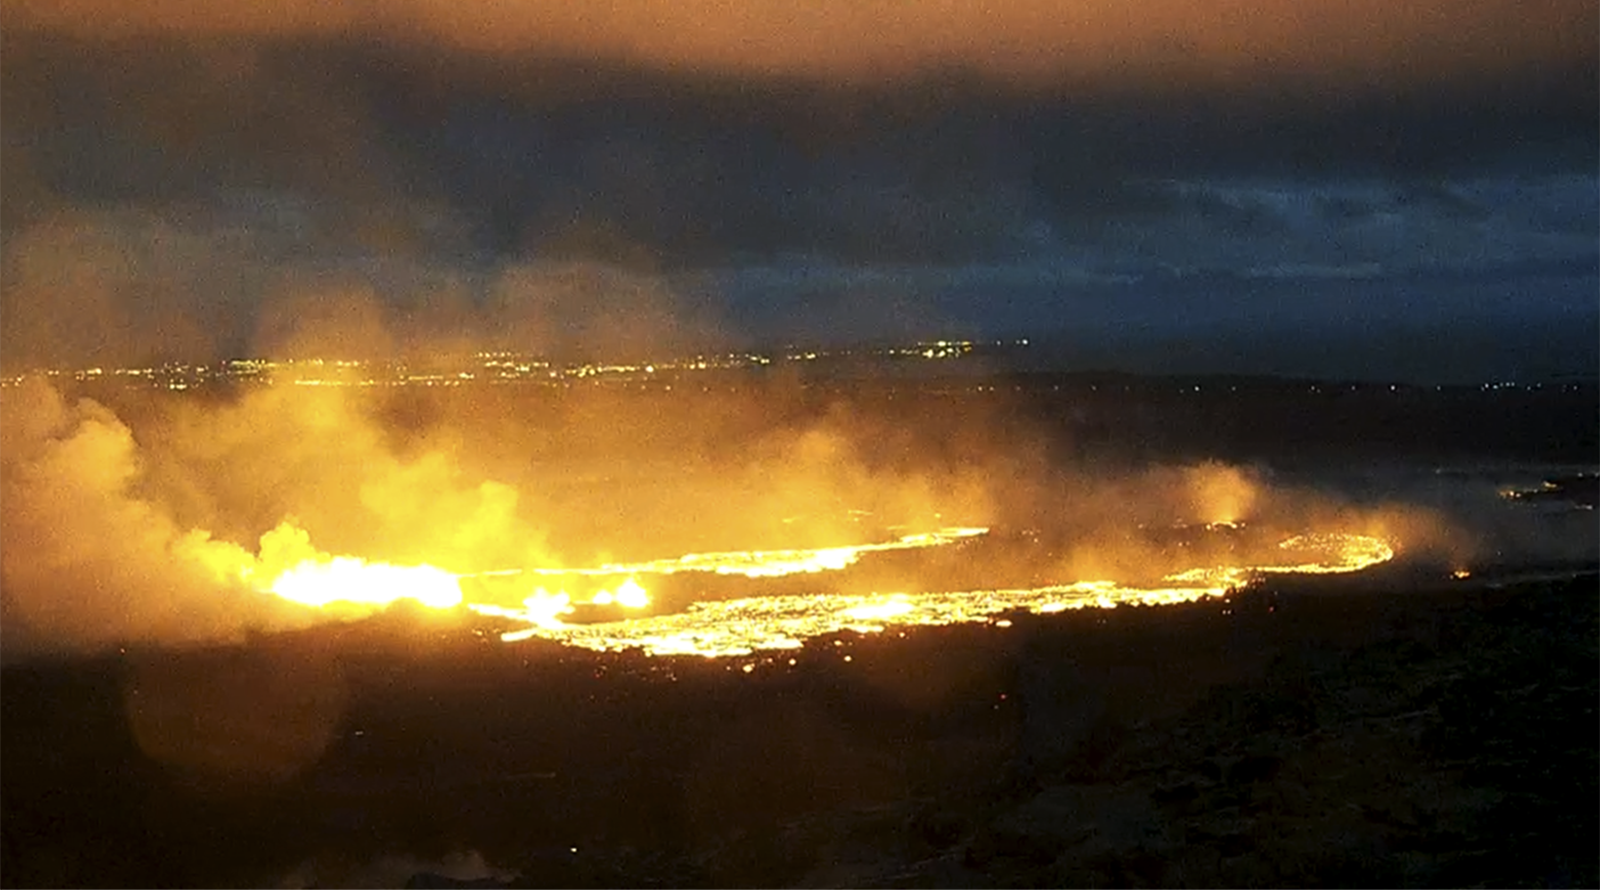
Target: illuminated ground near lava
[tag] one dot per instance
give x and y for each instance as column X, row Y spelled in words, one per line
column 775, row 622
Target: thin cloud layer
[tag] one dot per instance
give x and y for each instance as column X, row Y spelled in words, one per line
column 852, row 39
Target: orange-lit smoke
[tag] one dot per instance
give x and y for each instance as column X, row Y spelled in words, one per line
column 85, row 561
column 141, row 515
column 175, row 518
column 850, row 39
column 169, row 519
column 134, row 286
column 177, row 532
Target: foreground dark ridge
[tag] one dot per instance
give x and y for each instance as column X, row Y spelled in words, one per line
column 1319, row 732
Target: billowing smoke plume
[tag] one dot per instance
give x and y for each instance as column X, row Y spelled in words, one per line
column 164, row 521
column 248, row 204
column 140, row 286
column 85, row 560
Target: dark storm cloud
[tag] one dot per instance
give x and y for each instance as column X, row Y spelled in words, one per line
column 590, row 159
column 203, row 166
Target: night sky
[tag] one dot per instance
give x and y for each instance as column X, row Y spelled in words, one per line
column 1283, row 186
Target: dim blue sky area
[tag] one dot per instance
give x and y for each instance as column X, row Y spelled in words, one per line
column 1414, row 198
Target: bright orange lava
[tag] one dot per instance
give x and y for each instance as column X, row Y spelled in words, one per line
column 742, row 626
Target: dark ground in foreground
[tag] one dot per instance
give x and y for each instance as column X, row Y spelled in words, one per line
column 1322, row 732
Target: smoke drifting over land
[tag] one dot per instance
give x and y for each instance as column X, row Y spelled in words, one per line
column 400, row 180
column 144, row 524
column 135, row 288
column 142, row 516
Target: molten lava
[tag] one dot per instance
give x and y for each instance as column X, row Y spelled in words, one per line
column 350, row 580
column 768, row 563
column 742, row 626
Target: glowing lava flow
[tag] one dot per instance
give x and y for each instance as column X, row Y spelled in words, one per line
column 765, row 563
column 742, row 626
column 1339, row 553
column 346, row 579
column 544, row 609
column 288, row 566
column 319, row 580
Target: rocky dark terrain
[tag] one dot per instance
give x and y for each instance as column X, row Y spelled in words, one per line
column 1397, row 727
column 1318, row 732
